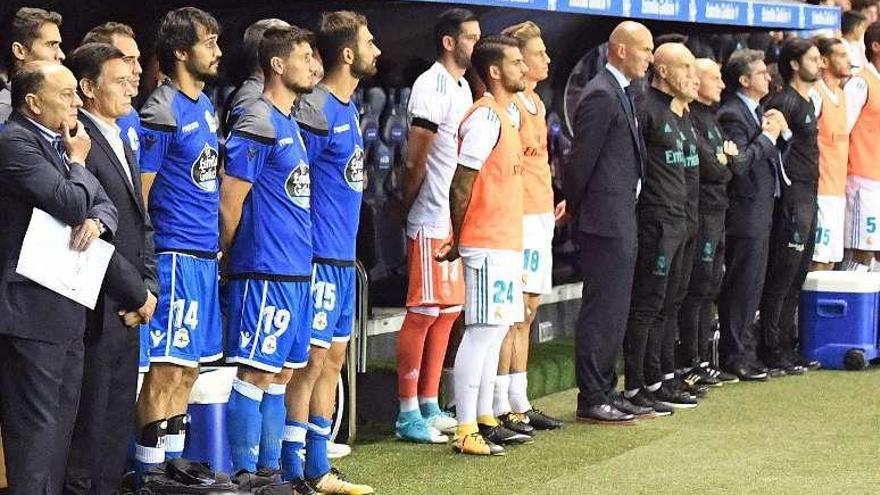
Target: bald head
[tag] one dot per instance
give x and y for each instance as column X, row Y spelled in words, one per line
column 630, row 48
column 46, row 92
column 711, row 83
column 674, row 71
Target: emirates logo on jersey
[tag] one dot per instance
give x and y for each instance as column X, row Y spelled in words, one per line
column 204, row 169
column 299, row 185
column 354, row 170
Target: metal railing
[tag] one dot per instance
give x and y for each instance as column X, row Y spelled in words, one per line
column 356, row 361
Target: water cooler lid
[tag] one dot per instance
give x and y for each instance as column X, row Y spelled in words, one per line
column 213, row 385
column 847, row 282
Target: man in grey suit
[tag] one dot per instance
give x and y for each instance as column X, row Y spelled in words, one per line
column 601, row 185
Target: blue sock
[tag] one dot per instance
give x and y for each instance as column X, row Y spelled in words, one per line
column 294, row 440
column 243, row 423
column 273, row 411
column 317, row 462
column 175, row 439
column 430, row 408
column 407, row 416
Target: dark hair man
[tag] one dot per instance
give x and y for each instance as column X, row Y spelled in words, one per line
column 752, row 192
column 440, row 98
column 264, row 201
column 862, row 229
column 330, row 128
column 717, row 156
column 833, row 153
column 486, row 207
column 179, row 165
column 41, row 333
column 107, row 401
column 794, row 220
column 606, row 179
column 853, row 25
column 35, row 35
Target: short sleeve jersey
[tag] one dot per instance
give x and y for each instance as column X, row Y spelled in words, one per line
column 130, row 130
column 438, row 103
column 335, row 147
column 179, row 144
column 274, row 236
column 249, row 91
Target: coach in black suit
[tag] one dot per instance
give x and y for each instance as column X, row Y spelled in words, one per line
column 106, row 411
column 755, row 184
column 601, row 185
column 41, row 332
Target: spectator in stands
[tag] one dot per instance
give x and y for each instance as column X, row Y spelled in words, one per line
column 97, row 458
column 252, row 87
column 867, row 8
column 541, row 215
column 794, row 220
column 861, row 236
column 34, row 35
column 752, row 194
column 853, row 25
column 439, row 99
column 602, row 181
column 833, row 153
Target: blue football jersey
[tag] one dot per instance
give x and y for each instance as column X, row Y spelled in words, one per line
column 179, row 143
column 331, row 131
column 129, row 131
column 274, row 235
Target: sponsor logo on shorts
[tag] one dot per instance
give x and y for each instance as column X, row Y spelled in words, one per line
column 661, row 266
column 298, row 185
column 156, row 337
column 204, row 169
column 244, row 339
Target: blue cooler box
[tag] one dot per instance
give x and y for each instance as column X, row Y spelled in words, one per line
column 838, row 318
column 206, row 439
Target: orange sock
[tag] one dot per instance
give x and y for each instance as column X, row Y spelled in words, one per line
column 435, row 354
column 410, row 347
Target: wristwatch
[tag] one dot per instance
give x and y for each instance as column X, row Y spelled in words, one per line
column 101, row 227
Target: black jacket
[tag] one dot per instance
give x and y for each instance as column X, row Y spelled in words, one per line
column 136, row 273
column 606, row 161
column 714, row 176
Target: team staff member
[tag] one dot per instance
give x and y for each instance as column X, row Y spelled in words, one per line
column 122, row 37
column 603, row 176
column 512, row 405
column 179, row 161
column 266, row 233
column 749, row 217
column 485, row 200
column 251, row 88
column 833, row 154
column 439, row 100
column 112, row 343
column 41, row 352
column 716, row 157
column 794, row 218
column 671, row 149
column 331, row 131
column 34, row 35
column 862, row 232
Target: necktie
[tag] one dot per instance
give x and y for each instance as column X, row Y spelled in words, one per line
column 58, row 144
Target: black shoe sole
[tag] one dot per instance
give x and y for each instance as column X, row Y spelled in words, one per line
column 605, row 422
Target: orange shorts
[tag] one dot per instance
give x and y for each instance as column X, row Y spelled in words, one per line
column 432, row 283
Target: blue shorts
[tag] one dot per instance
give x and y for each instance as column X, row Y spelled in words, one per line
column 268, row 323
column 333, row 298
column 144, row 349
column 186, row 327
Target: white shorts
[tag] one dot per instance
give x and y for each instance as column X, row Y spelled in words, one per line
column 862, row 226
column 830, row 220
column 493, row 287
column 538, row 253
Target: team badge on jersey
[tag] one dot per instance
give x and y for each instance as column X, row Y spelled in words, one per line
column 354, row 170
column 204, row 169
column 133, row 139
column 298, row 185
column 181, row 338
column 320, row 320
column 211, row 121
column 270, row 344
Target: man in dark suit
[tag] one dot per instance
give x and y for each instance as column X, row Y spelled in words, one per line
column 41, row 332
column 602, row 180
column 757, row 176
column 96, row 461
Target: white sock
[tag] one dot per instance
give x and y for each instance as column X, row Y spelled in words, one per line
column 875, row 266
column 654, row 387
column 629, row 394
column 475, row 345
column 519, row 392
column 490, row 371
column 408, row 404
column 501, row 404
column 852, row 265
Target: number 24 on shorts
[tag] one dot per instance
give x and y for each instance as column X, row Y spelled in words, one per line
column 503, row 292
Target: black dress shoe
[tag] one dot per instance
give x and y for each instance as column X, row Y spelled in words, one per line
column 646, row 399
column 605, row 414
column 747, row 374
column 624, row 405
column 810, row 364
